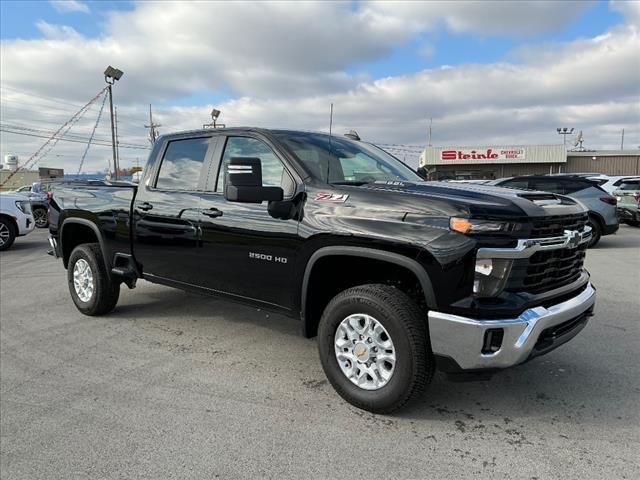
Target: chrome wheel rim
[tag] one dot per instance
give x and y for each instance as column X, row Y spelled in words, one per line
column 83, row 280
column 40, row 217
column 4, row 234
column 365, row 351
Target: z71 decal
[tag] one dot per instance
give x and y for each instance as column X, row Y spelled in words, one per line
column 331, row 197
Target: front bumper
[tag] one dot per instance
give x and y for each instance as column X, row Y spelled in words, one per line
column 53, row 243
column 462, row 340
column 626, row 214
column 26, row 224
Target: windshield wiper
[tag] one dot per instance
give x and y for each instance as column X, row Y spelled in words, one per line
column 355, row 183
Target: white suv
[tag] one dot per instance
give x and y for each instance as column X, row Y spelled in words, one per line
column 16, row 218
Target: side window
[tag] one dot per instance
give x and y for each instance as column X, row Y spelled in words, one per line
column 273, row 172
column 522, row 184
column 182, row 164
column 572, row 187
column 630, row 185
column 552, row 186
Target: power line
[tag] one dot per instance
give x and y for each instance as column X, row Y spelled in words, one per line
column 86, row 150
column 72, row 140
column 52, row 141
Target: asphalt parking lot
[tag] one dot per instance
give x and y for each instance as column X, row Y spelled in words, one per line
column 173, row 385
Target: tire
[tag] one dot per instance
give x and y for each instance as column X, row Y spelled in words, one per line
column 7, row 234
column 406, row 326
column 104, row 293
column 596, row 230
column 40, row 216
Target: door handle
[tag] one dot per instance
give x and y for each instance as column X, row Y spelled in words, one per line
column 145, row 206
column 212, row 212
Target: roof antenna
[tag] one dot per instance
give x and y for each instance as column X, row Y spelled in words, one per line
column 330, row 146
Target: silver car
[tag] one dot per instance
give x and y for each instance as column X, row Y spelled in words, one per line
column 603, row 218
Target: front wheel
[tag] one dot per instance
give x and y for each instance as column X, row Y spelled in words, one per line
column 374, row 347
column 40, row 216
column 7, row 234
column 91, row 289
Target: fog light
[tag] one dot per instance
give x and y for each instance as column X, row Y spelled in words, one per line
column 492, row 340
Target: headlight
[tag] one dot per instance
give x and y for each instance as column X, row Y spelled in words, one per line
column 24, row 206
column 491, row 276
column 471, row 226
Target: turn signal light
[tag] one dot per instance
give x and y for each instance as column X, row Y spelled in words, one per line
column 461, row 225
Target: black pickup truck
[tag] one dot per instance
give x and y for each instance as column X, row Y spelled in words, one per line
column 396, row 276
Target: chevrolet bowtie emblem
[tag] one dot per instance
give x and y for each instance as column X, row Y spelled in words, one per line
column 359, row 351
column 574, row 239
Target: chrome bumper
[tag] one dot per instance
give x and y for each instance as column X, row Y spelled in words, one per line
column 461, row 338
column 54, row 247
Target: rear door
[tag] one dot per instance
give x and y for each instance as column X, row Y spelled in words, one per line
column 166, row 211
column 247, row 252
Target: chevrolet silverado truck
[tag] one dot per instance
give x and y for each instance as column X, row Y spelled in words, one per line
column 397, row 277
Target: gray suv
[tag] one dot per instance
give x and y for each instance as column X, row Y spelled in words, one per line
column 603, row 218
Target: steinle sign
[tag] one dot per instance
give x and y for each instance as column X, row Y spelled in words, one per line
column 485, row 154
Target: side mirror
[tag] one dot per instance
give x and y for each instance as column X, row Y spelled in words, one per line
column 243, row 182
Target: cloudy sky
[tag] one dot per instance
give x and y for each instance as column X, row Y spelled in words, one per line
column 485, row 72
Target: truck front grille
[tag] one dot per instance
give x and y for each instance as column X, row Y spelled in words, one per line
column 555, row 226
column 549, row 269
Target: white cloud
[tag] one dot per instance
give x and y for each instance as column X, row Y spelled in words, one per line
column 65, row 6
column 486, row 18
column 629, row 8
column 58, row 32
column 285, row 65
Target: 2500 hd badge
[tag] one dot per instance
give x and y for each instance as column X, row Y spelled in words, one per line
column 414, row 276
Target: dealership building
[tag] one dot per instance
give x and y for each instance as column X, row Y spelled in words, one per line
column 499, row 161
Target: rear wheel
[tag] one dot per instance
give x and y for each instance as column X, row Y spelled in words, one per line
column 596, row 232
column 7, row 234
column 374, row 347
column 91, row 289
column 40, row 216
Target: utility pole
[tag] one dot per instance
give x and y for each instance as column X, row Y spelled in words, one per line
column 153, row 133
column 622, row 141
column 430, row 124
column 113, row 134
column 117, row 141
column 111, row 75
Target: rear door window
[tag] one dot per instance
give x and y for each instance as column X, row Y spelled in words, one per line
column 630, row 185
column 550, row 185
column 522, row 184
column 182, row 164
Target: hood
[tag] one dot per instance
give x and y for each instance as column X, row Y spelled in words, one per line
column 479, row 199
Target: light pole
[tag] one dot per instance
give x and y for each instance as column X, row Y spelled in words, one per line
column 111, row 75
column 564, row 131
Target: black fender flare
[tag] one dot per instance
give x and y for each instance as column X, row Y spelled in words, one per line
column 390, row 257
column 96, row 230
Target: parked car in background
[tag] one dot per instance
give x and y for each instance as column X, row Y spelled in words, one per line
column 628, row 197
column 603, row 217
column 611, row 184
column 39, row 203
column 16, row 219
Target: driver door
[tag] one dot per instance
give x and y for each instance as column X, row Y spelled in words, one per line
column 245, row 251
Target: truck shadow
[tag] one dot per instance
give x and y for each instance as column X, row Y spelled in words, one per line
column 178, row 306
column 563, row 387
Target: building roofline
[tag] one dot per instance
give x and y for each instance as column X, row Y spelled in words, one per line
column 603, row 153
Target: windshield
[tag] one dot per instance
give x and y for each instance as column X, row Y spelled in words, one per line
column 344, row 161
